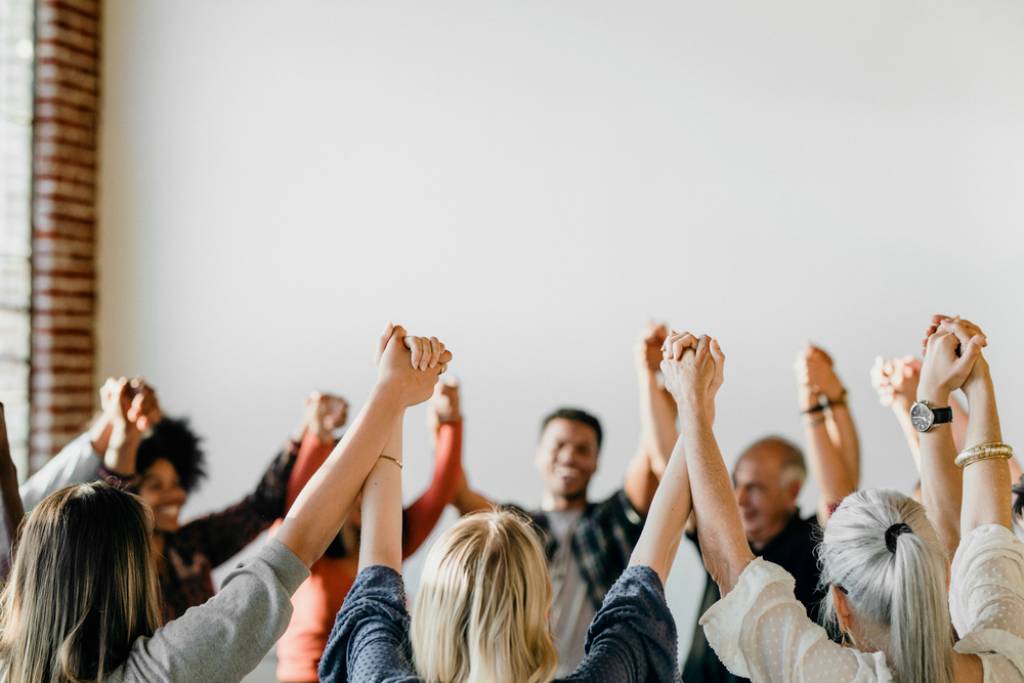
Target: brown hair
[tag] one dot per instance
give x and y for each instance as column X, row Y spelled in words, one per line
column 82, row 589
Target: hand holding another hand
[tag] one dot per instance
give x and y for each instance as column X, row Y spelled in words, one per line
column 952, row 353
column 816, row 377
column 444, row 404
column 896, row 380
column 694, row 370
column 410, row 365
column 325, row 413
column 647, row 350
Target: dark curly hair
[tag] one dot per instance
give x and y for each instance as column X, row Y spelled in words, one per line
column 575, row 415
column 173, row 440
column 1018, row 504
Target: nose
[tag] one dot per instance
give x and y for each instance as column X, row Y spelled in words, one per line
column 741, row 497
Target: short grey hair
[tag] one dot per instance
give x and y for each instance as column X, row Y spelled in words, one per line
column 794, row 466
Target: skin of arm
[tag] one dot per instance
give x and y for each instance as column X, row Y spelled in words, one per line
column 986, row 497
column 322, row 506
column 831, row 437
column 12, row 508
column 422, row 516
column 666, row 518
column 381, row 537
column 694, row 370
column 941, row 480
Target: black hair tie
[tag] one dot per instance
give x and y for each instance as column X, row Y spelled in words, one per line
column 893, row 532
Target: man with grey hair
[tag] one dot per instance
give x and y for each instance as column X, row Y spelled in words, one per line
column 767, row 480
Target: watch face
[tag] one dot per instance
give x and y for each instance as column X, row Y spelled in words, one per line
column 922, row 417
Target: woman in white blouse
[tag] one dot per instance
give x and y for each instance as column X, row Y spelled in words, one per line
column 884, row 556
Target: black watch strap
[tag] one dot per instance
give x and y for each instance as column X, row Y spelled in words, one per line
column 942, row 415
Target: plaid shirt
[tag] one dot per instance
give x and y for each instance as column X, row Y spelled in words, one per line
column 602, row 543
column 191, row 553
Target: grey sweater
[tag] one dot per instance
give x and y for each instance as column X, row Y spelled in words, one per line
column 227, row 636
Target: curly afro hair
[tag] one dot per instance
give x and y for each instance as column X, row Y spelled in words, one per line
column 173, row 440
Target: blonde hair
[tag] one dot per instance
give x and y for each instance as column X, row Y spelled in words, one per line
column 82, row 588
column 894, row 582
column 481, row 614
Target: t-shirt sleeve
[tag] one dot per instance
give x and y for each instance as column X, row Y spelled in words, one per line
column 633, row 636
column 370, row 639
column 227, row 636
column 986, row 597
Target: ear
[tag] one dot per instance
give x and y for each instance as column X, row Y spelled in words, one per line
column 842, row 607
column 794, row 490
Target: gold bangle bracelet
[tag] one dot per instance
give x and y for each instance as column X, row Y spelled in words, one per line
column 394, row 460
column 992, row 451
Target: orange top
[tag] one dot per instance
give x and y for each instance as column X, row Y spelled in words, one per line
column 318, row 599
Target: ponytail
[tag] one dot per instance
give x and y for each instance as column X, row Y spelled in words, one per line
column 881, row 549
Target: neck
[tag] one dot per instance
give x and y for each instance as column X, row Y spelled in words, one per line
column 558, row 503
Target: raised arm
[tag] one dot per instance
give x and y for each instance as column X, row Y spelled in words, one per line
column 942, row 372
column 445, row 419
column 694, row 370
column 322, row 506
column 12, row 509
column 987, row 482
column 831, row 437
column 381, row 536
column 657, row 409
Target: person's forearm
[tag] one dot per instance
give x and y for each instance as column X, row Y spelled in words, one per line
column 12, row 508
column 657, row 420
column 960, row 419
column 941, row 479
column 422, row 516
column 467, row 501
column 844, row 436
column 666, row 518
column 381, row 533
column 121, row 453
column 723, row 544
column 828, row 467
column 986, row 492
column 324, row 503
column 901, row 409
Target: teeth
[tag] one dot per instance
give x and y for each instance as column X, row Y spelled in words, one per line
column 168, row 509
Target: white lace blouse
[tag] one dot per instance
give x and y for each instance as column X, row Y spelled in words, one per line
column 761, row 632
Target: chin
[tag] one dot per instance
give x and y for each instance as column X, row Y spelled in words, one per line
column 168, row 527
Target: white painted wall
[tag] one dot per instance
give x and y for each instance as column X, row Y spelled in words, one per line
column 532, row 180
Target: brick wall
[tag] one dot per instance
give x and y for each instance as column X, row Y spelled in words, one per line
column 64, row 222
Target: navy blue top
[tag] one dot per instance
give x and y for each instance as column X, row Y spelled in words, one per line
column 632, row 637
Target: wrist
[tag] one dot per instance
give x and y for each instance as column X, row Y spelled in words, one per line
column 935, row 395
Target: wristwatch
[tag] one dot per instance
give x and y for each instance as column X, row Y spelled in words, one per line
column 924, row 416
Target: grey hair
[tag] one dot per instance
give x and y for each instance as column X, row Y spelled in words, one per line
column 901, row 592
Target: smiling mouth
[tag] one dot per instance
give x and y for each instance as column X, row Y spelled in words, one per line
column 168, row 510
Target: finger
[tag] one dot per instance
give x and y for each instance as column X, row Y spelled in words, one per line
column 436, row 348
column 424, row 353
column 969, row 353
column 413, row 345
column 382, row 344
column 702, row 348
column 718, row 356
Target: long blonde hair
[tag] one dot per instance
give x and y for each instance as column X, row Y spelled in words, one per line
column 481, row 614
column 82, row 588
column 893, row 582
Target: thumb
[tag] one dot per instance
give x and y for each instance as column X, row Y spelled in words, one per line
column 969, row 353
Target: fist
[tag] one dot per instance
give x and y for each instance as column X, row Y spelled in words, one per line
column 647, row 349
column 896, row 379
column 133, row 399
column 325, row 413
column 444, row 403
column 952, row 351
column 694, row 369
column 410, row 365
column 816, row 375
